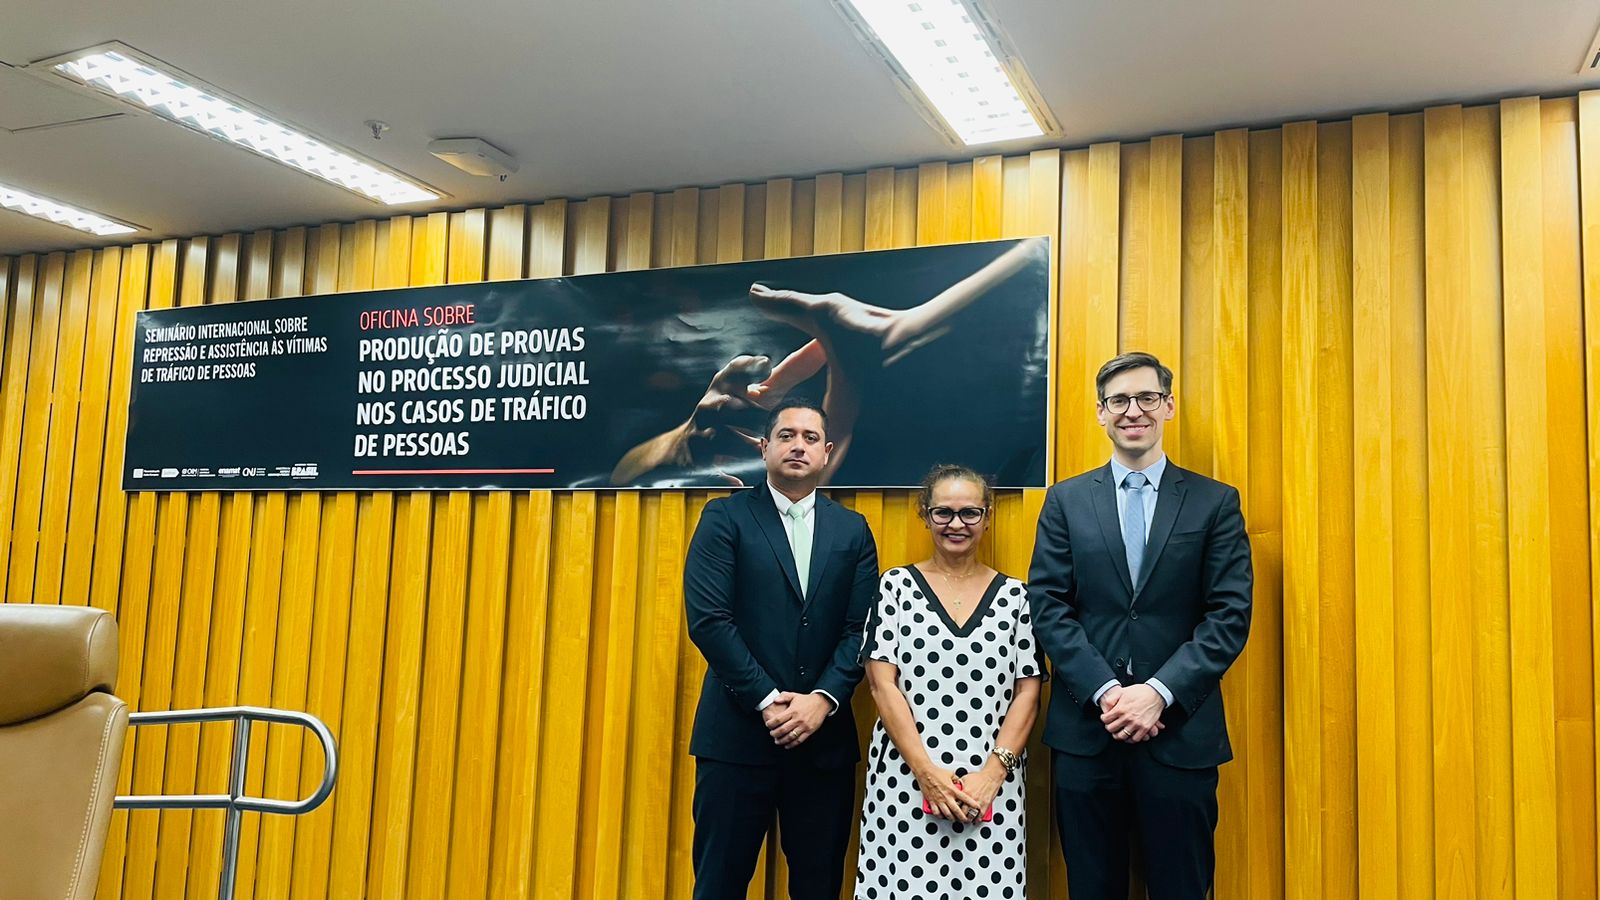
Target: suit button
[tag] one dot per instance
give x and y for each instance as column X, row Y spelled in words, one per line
column 802, row 671
column 1133, row 614
column 804, row 622
column 1120, row 663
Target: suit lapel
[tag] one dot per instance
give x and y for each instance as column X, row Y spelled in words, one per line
column 766, row 516
column 823, row 536
column 1169, row 499
column 1105, row 510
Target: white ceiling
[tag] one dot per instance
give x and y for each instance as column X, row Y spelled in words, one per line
column 612, row 96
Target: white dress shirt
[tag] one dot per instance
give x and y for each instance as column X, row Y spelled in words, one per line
column 808, row 518
column 808, row 521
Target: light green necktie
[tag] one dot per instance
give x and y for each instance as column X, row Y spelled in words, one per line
column 800, row 543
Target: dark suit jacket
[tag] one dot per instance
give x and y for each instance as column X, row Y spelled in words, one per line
column 759, row 633
column 1185, row 623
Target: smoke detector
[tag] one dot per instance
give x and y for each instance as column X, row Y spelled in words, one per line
column 474, row 156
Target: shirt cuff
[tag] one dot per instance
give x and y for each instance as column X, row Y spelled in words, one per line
column 830, row 700
column 768, row 700
column 1161, row 689
column 1103, row 688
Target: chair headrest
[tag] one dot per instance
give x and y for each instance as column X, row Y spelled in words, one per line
column 53, row 656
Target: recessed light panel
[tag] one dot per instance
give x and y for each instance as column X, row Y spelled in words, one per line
column 954, row 64
column 31, row 204
column 150, row 85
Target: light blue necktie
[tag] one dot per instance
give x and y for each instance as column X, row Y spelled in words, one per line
column 1133, row 524
column 800, row 543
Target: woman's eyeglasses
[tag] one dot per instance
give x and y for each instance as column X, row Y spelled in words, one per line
column 944, row 515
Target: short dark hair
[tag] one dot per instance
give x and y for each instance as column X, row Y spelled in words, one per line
column 1127, row 362
column 795, row 403
column 946, row 472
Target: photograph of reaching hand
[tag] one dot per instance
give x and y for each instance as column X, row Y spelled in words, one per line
column 946, row 360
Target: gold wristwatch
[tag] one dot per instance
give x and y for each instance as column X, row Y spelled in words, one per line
column 1007, row 758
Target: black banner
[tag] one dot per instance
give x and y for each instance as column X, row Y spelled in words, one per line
column 656, row 378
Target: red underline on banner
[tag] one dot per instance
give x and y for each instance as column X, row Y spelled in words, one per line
column 453, row 472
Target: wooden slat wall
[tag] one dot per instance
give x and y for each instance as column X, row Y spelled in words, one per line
column 1385, row 332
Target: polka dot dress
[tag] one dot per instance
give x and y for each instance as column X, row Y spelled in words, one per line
column 959, row 683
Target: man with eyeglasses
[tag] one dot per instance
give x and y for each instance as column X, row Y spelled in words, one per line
column 1140, row 589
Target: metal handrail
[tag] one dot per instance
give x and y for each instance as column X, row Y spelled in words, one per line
column 235, row 802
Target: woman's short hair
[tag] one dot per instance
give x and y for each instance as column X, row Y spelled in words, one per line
column 946, row 472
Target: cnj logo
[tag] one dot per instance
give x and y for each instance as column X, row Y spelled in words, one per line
column 303, row 470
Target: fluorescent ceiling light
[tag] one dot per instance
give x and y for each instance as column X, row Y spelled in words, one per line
column 147, row 84
column 44, row 208
column 955, row 62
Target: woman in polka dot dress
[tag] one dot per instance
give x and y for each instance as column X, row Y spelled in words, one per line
column 955, row 673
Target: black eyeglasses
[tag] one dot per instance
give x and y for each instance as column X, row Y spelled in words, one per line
column 1149, row 401
column 970, row 515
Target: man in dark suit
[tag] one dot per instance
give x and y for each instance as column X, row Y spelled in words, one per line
column 777, row 585
column 1140, row 590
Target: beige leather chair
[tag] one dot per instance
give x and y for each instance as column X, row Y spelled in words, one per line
column 61, row 735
